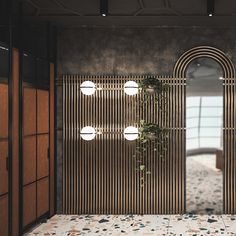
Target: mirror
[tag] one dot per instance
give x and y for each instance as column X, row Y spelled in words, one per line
column 204, row 120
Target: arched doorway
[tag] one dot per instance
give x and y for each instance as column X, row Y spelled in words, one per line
column 204, row 136
column 229, row 115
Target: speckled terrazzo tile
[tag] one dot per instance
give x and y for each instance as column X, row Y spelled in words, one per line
column 204, row 185
column 159, row 225
column 183, row 225
column 211, row 225
column 101, row 225
column 196, row 225
column 230, row 224
column 140, row 225
column 74, row 225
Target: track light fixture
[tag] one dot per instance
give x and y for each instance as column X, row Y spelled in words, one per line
column 210, row 7
column 104, row 7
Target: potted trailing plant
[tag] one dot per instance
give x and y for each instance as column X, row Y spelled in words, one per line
column 151, row 85
column 150, row 131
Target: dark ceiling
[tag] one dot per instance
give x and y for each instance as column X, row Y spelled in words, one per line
column 74, row 13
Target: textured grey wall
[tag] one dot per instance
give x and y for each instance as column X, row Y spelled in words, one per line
column 135, row 50
column 97, row 51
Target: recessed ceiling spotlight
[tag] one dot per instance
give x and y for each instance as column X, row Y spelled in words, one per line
column 3, row 48
column 104, row 7
column 210, row 7
column 221, row 78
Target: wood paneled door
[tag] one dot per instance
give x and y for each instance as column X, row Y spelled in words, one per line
column 5, row 190
column 26, row 135
column 4, row 164
column 9, row 144
column 35, row 154
column 37, row 160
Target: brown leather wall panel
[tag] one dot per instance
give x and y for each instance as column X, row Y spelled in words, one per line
column 4, row 215
column 29, row 204
column 3, row 111
column 42, row 197
column 29, row 111
column 52, row 209
column 42, row 111
column 15, row 143
column 42, row 156
column 29, row 159
column 3, row 167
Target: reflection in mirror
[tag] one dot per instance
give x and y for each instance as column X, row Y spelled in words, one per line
column 204, row 120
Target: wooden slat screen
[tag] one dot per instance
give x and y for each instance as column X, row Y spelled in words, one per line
column 99, row 176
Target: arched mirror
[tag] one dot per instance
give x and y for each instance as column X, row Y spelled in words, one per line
column 204, row 137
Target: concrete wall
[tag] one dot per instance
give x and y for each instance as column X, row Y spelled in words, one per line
column 135, row 50
column 97, row 51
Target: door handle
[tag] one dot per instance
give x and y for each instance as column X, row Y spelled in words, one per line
column 7, row 163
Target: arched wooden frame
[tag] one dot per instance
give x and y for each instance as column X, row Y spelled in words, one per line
column 204, row 51
column 229, row 117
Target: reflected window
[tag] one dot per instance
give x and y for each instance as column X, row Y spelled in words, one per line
column 204, row 122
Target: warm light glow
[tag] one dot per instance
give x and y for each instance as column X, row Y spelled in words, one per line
column 87, row 88
column 131, row 133
column 87, row 133
column 131, row 88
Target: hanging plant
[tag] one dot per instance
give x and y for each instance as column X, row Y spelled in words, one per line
column 150, row 131
column 152, row 85
column 151, row 135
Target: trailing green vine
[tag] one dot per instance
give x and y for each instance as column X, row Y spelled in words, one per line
column 150, row 86
column 152, row 137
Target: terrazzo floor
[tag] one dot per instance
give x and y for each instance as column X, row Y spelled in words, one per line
column 204, row 192
column 204, row 196
column 195, row 225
